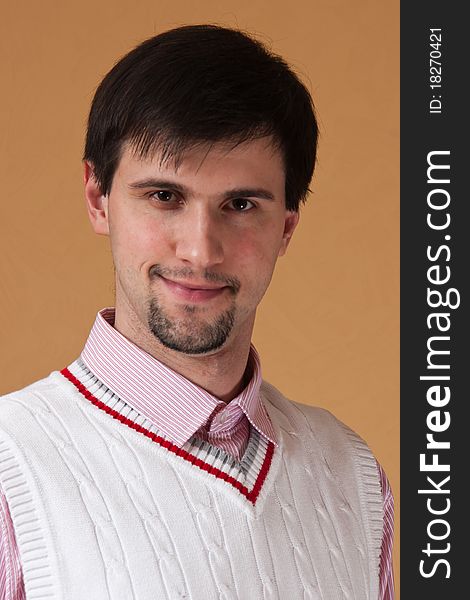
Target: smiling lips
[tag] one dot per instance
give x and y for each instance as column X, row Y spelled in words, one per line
column 193, row 292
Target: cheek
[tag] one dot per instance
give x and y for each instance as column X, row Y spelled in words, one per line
column 255, row 258
column 138, row 242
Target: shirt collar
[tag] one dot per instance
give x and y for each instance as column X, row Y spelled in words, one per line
column 175, row 405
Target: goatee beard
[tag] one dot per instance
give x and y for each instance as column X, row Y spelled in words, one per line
column 189, row 336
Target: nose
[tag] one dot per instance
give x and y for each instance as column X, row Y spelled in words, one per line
column 199, row 239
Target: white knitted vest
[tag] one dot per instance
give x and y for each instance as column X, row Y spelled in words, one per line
column 105, row 508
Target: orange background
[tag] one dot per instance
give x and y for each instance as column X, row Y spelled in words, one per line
column 328, row 328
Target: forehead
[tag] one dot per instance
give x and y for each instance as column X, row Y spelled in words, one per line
column 258, row 160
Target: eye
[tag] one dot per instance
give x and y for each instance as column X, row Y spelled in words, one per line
column 241, row 204
column 163, row 196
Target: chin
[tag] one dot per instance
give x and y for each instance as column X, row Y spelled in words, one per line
column 190, row 336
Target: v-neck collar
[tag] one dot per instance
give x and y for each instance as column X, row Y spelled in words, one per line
column 247, row 475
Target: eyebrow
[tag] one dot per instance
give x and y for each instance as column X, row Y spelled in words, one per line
column 182, row 189
column 158, row 183
column 249, row 193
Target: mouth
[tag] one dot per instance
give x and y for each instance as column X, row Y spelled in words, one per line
column 191, row 291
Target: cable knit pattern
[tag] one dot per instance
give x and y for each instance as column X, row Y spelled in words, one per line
column 136, row 517
column 169, row 571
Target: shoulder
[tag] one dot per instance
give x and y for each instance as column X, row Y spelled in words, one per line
column 281, row 403
column 30, row 396
column 321, row 434
column 314, row 419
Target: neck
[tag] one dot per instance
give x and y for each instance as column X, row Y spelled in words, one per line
column 221, row 373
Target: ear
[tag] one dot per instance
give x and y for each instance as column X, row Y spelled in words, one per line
column 291, row 220
column 97, row 203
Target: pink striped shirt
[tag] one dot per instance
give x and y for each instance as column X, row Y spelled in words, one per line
column 151, row 387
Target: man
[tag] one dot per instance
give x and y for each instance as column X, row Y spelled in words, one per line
column 158, row 464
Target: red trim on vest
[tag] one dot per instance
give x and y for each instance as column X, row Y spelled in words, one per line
column 197, row 462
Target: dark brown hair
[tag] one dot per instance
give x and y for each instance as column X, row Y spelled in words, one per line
column 198, row 84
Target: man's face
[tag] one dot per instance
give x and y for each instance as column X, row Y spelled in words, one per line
column 194, row 246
